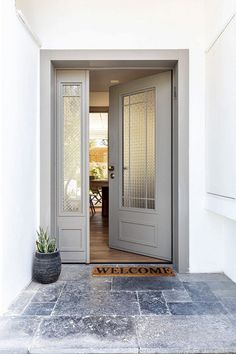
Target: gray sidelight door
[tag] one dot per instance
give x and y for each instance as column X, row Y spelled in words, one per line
column 72, row 187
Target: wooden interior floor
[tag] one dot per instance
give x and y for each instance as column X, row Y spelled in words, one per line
column 99, row 249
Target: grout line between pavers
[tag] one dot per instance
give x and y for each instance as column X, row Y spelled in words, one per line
column 112, row 281
column 30, row 299
column 136, row 334
column 224, row 307
column 140, row 312
column 35, row 334
column 58, row 298
column 166, row 303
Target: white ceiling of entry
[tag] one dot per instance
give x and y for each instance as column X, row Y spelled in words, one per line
column 100, row 80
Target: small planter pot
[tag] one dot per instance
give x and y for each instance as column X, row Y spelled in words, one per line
column 46, row 267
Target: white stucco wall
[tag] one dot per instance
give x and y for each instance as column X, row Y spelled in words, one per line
column 160, row 24
column 19, row 149
column 105, row 24
column 221, row 123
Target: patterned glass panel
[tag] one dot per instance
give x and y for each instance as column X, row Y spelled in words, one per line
column 72, row 149
column 139, row 150
column 71, row 90
column 126, row 156
column 151, row 149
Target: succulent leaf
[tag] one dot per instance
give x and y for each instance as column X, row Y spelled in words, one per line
column 44, row 243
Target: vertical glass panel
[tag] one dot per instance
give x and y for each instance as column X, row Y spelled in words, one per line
column 151, row 149
column 139, row 150
column 72, row 149
column 126, row 156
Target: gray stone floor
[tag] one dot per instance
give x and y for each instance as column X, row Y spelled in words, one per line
column 189, row 313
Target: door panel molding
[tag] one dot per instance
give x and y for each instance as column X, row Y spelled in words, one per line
column 127, row 235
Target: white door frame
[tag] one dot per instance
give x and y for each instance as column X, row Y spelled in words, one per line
column 178, row 60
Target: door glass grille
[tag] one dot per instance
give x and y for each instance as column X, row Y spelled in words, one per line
column 71, row 180
column 138, row 187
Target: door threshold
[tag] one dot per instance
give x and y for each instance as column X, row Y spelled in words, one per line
column 120, row 263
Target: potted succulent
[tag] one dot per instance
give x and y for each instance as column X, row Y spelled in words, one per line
column 47, row 259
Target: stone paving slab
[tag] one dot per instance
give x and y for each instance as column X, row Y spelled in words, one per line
column 84, row 286
column 49, row 293
column 152, row 302
column 84, row 351
column 197, row 308
column 72, row 272
column 20, row 303
column 230, row 305
column 109, row 334
column 206, row 277
column 16, row 333
column 39, row 309
column 186, row 334
column 176, row 295
column 146, row 283
column 14, row 351
column 199, row 291
column 97, row 303
column 227, row 284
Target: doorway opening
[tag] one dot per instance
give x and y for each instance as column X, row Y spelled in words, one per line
column 101, row 170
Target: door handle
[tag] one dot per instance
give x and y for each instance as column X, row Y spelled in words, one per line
column 112, row 175
column 111, row 168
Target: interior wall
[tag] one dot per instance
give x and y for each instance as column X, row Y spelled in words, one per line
column 99, row 99
column 220, row 122
column 19, row 149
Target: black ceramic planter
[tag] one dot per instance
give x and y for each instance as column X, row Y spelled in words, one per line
column 46, row 267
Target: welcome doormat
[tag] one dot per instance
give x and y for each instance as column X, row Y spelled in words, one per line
column 133, row 271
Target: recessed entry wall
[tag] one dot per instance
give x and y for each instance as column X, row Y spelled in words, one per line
column 221, row 124
column 169, row 60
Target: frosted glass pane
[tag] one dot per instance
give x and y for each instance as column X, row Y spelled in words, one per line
column 139, row 151
column 138, row 97
column 126, row 100
column 72, row 154
column 126, row 156
column 71, row 90
column 150, row 150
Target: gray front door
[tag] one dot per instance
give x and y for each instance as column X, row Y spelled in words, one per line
column 140, row 166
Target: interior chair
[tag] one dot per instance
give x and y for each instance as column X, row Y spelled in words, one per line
column 95, row 196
